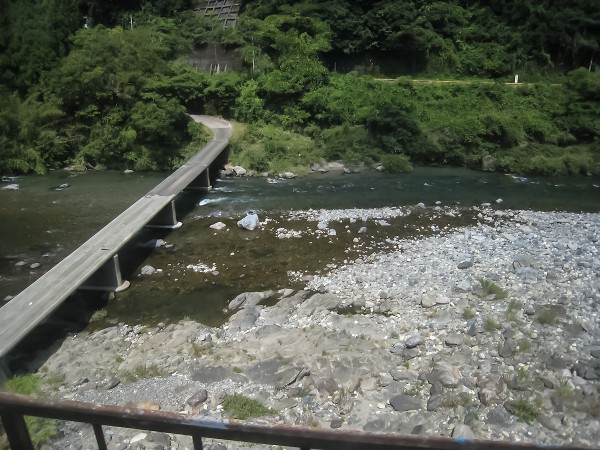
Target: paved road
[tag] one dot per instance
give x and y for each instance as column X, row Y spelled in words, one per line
column 19, row 316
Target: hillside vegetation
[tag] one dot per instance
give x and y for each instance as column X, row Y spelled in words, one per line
column 113, row 89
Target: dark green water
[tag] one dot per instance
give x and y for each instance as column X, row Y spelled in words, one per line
column 37, row 221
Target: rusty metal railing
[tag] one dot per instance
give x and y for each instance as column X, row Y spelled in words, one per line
column 14, row 407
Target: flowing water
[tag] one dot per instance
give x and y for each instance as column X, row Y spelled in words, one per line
column 200, row 269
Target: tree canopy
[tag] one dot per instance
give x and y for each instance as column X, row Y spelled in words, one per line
column 108, row 84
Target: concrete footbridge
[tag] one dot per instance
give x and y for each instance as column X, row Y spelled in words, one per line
column 95, row 264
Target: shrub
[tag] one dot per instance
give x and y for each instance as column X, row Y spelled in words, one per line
column 490, row 324
column 241, row 407
column 396, row 163
column 547, row 316
column 469, row 313
column 524, row 410
column 40, row 429
column 491, row 288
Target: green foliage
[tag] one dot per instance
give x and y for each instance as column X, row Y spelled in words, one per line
column 41, row 430
column 268, row 148
column 115, row 96
column 396, row 163
column 490, row 324
column 547, row 316
column 526, row 411
column 141, row 371
column 524, row 345
column 513, row 309
column 28, row 384
column 490, row 288
column 469, row 313
column 242, row 408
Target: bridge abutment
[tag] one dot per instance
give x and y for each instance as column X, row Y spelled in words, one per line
column 166, row 218
column 107, row 278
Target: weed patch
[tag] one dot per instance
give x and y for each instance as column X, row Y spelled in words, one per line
column 41, row 429
column 490, row 288
column 241, row 407
column 524, row 410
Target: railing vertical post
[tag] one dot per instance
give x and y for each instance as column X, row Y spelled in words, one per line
column 197, row 440
column 100, row 436
column 17, row 432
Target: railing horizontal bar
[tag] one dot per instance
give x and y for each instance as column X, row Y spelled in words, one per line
column 285, row 435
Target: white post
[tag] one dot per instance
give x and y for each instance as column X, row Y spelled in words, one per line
column 516, row 79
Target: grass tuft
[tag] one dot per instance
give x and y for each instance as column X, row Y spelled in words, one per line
column 242, row 407
column 491, row 288
column 524, row 410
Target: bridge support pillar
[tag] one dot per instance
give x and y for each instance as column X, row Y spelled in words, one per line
column 5, row 372
column 202, row 181
column 107, row 278
column 166, row 218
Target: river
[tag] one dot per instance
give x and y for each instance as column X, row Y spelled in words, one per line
column 200, row 269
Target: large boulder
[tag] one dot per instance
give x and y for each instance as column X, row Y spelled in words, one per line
column 250, row 222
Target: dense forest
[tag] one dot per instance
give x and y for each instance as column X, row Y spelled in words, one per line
column 107, row 84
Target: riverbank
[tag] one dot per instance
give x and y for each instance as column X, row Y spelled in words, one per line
column 406, row 340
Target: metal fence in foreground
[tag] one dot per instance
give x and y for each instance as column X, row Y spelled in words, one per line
column 14, row 408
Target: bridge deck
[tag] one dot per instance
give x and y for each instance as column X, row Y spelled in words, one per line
column 19, row 316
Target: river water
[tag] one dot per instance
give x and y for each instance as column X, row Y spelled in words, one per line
column 200, row 269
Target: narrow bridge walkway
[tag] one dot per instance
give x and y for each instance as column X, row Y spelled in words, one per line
column 95, row 264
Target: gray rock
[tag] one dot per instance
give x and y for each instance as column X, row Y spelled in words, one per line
column 463, row 286
column 213, row 374
column 336, row 422
column 244, row 319
column 112, row 383
column 415, row 340
column 428, row 301
column 11, row 187
column 327, row 384
column 434, row 402
column 500, row 417
column 410, row 353
column 492, row 389
column 318, row 302
column 595, row 353
column 465, row 264
column 454, row 339
column 463, row 431
column 446, row 374
column 419, row 430
column 250, row 222
column 239, row 170
column 218, row 226
column 508, row 349
column 35, row 265
column 362, row 230
column 148, row 270
column 246, row 299
column 399, row 374
column 403, row 402
column 198, row 398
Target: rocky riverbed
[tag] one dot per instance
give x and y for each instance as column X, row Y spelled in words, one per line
column 487, row 331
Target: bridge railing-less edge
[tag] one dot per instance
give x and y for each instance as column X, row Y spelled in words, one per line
column 13, row 408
